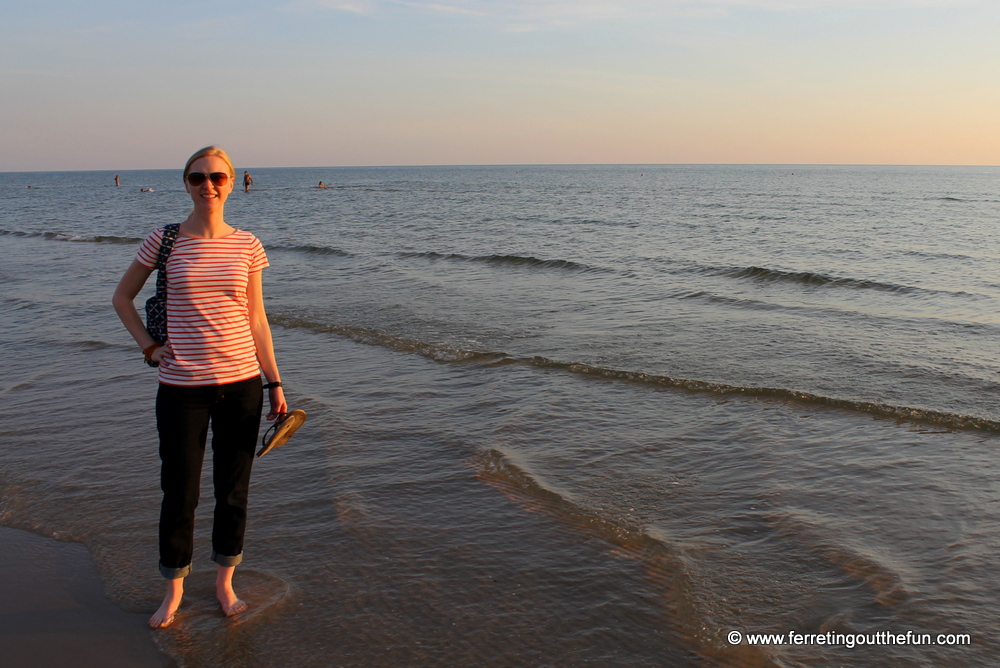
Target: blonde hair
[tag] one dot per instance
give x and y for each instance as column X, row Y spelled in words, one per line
column 210, row 150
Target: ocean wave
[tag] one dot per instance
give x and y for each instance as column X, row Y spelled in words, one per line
column 811, row 278
column 664, row 564
column 60, row 236
column 905, row 413
column 885, row 583
column 806, row 278
column 506, row 260
column 436, row 352
column 446, row 353
column 739, row 302
column 93, row 345
column 942, row 256
column 131, row 241
column 496, row 468
column 970, row 322
column 309, row 249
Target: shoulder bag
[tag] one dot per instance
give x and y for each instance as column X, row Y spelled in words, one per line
column 156, row 306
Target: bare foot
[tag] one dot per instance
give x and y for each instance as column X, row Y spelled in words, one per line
column 231, row 604
column 164, row 616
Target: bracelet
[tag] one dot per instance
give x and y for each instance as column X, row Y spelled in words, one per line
column 269, row 386
column 148, row 351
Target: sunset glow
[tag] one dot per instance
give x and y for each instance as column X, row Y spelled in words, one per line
column 384, row 82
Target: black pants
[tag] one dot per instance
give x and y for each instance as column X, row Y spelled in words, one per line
column 182, row 418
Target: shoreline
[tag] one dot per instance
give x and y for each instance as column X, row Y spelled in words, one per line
column 54, row 610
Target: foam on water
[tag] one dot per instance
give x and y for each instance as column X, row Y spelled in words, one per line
column 612, row 418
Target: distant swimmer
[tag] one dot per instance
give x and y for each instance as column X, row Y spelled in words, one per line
column 146, row 190
column 321, row 185
column 247, row 181
column 117, row 181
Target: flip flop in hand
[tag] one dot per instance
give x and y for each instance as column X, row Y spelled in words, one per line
column 281, row 431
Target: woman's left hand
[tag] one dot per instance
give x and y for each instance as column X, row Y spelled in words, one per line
column 276, row 399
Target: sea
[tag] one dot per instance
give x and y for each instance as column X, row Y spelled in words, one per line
column 635, row 415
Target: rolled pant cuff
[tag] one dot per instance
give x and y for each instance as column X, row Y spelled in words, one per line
column 223, row 560
column 175, row 573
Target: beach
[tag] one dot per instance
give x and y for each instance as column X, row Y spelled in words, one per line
column 558, row 416
column 55, row 613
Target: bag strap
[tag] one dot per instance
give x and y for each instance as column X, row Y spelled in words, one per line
column 166, row 245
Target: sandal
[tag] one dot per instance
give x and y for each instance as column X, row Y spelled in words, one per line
column 283, row 430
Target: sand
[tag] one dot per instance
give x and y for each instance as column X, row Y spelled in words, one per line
column 53, row 611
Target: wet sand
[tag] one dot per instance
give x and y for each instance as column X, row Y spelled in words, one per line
column 53, row 611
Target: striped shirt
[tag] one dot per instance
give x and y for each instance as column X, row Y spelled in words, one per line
column 208, row 315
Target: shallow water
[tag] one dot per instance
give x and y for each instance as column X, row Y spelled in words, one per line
column 558, row 415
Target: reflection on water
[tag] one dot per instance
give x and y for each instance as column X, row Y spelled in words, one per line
column 533, row 441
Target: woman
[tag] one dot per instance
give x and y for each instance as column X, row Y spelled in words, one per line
column 209, row 371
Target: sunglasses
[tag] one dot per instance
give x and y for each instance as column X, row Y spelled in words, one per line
column 219, row 179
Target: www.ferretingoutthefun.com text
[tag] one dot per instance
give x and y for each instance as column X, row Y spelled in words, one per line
column 848, row 639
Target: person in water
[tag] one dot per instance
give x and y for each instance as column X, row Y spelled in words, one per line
column 321, row 185
column 117, row 181
column 209, row 373
column 247, row 181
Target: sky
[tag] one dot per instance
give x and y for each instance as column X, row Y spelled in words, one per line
column 139, row 85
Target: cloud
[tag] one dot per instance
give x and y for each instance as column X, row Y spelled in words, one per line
column 790, row 5
column 529, row 11
column 534, row 15
column 352, row 6
column 543, row 10
column 467, row 9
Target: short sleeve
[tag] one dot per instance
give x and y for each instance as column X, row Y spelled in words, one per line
column 149, row 250
column 258, row 258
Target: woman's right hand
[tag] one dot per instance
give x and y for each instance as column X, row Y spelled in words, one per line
column 166, row 351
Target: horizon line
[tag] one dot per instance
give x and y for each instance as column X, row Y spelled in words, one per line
column 534, row 164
